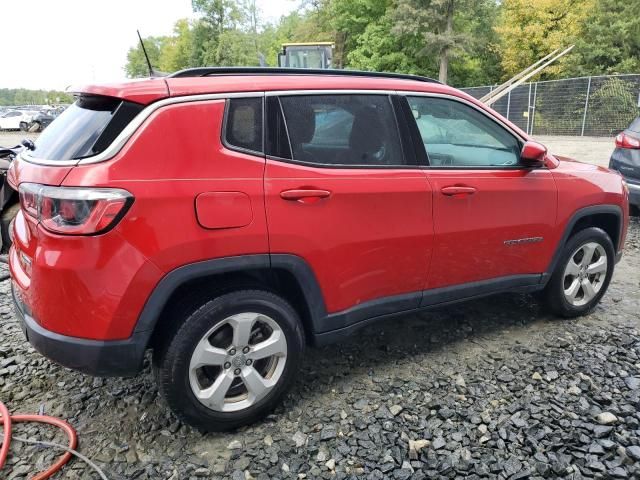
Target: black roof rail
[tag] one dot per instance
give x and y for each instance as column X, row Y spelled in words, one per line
column 207, row 71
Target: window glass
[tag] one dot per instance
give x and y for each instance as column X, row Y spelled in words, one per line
column 343, row 129
column 455, row 134
column 244, row 123
column 74, row 133
column 635, row 125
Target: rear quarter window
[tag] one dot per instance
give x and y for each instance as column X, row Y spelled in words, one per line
column 85, row 129
column 243, row 125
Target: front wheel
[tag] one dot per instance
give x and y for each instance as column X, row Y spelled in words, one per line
column 582, row 274
column 231, row 361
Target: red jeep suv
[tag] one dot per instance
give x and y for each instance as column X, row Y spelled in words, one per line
column 227, row 218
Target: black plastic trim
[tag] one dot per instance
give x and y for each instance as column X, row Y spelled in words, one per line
column 172, row 280
column 208, row 71
column 374, row 308
column 121, row 358
column 581, row 213
column 380, row 309
column 404, row 129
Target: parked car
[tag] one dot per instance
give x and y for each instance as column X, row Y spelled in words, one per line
column 36, row 122
column 173, row 214
column 626, row 159
column 12, row 119
column 9, row 206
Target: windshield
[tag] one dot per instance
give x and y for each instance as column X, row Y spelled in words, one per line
column 74, row 133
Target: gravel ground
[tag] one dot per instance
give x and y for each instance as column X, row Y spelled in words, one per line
column 494, row 388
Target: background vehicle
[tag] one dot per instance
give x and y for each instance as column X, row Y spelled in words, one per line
column 12, row 119
column 9, row 206
column 313, row 202
column 306, row 55
column 626, row 160
column 37, row 122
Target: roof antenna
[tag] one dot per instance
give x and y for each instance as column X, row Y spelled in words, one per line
column 144, row 50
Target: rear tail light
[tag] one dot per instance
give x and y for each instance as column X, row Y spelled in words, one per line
column 627, row 141
column 74, row 211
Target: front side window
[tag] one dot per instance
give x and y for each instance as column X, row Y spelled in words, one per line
column 457, row 135
column 244, row 124
column 342, row 129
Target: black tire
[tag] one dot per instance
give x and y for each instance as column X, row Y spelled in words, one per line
column 172, row 358
column 24, row 126
column 553, row 295
column 6, row 221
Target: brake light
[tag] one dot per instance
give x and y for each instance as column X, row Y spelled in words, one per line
column 627, row 141
column 74, row 210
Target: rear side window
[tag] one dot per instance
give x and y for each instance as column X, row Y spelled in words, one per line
column 243, row 127
column 342, row 129
column 85, row 129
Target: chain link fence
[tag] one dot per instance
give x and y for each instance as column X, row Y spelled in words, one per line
column 599, row 106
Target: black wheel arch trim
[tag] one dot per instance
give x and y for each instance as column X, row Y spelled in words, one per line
column 577, row 216
column 293, row 264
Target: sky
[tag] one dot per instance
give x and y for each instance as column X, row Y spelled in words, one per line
column 51, row 44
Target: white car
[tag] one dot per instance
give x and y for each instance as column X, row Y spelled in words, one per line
column 11, row 120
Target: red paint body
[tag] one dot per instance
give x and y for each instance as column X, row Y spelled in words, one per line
column 376, row 233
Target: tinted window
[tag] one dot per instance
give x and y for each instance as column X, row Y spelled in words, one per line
column 342, row 129
column 76, row 133
column 244, row 123
column 455, row 134
column 635, row 125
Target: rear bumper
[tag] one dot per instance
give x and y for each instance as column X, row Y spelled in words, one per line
column 121, row 358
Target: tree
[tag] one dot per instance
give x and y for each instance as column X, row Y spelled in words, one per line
column 610, row 42
column 136, row 65
column 377, row 50
column 432, row 22
column 530, row 30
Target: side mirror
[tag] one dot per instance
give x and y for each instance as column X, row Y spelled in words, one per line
column 533, row 154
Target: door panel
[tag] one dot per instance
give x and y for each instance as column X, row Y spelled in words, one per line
column 492, row 218
column 370, row 237
column 504, row 227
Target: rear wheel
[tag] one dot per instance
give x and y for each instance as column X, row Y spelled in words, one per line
column 582, row 274
column 231, row 361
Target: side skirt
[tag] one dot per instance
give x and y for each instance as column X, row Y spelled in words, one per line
column 343, row 324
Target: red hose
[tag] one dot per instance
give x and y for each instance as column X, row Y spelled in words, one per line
column 6, row 425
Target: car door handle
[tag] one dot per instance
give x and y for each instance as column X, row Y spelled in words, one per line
column 458, row 190
column 301, row 194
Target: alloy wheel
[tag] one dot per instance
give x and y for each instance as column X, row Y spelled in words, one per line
column 585, row 273
column 238, row 362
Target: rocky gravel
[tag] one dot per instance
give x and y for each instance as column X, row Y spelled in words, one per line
column 494, row 388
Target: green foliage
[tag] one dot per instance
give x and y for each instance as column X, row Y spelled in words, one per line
column 22, row 96
column 611, row 40
column 473, row 42
column 137, row 64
